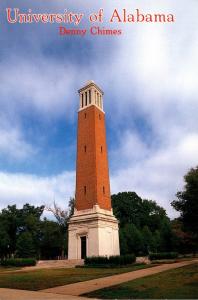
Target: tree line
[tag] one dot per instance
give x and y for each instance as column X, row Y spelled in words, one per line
column 143, row 226
column 24, row 233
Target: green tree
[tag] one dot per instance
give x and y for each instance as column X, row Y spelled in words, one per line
column 129, row 208
column 182, row 239
column 71, row 206
column 149, row 219
column 187, row 205
column 132, row 239
column 17, row 221
column 157, row 241
column 123, row 242
column 166, row 235
column 25, row 246
column 9, row 219
column 4, row 243
column 147, row 239
column 52, row 239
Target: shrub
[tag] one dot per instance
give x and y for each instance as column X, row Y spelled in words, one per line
column 163, row 255
column 122, row 259
column 115, row 260
column 18, row 262
column 96, row 260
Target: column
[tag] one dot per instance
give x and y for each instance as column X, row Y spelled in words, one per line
column 95, row 100
column 92, row 96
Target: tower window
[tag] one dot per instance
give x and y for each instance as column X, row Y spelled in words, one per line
column 82, row 104
column 103, row 190
column 85, row 148
column 85, row 190
column 89, row 96
column 99, row 117
column 101, row 149
column 85, row 115
column 86, row 98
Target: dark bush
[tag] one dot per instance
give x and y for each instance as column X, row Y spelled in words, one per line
column 163, row 255
column 122, row 259
column 96, row 260
column 115, row 260
column 18, row 262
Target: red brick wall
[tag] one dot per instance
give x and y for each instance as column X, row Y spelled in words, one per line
column 92, row 162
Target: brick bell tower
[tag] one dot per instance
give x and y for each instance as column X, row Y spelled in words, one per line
column 93, row 229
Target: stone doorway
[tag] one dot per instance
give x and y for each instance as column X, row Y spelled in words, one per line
column 83, row 247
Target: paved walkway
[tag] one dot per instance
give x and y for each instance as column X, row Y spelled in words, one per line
column 96, row 284
column 8, row 294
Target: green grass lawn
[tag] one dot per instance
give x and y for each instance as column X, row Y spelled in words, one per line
column 181, row 283
column 46, row 278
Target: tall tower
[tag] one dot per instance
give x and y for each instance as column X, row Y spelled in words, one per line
column 93, row 229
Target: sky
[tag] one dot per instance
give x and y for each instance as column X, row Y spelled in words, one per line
column 149, row 75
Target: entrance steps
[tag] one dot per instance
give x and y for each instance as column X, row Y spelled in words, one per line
column 56, row 264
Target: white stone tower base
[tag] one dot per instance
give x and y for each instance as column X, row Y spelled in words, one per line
column 98, row 229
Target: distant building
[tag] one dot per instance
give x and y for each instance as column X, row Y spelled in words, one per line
column 93, row 229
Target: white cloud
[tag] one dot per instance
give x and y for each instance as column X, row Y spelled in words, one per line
column 130, row 149
column 40, row 84
column 13, row 144
column 160, row 175
column 26, row 188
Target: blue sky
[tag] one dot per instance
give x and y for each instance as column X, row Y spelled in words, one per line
column 149, row 77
